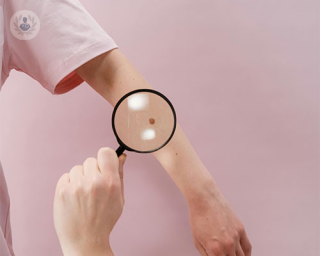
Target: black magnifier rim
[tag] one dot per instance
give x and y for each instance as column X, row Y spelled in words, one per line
column 127, row 95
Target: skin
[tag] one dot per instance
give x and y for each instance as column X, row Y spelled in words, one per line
column 216, row 229
column 88, row 202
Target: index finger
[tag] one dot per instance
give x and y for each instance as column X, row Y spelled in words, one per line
column 108, row 162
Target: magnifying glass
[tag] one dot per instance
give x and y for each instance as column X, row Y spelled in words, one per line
column 143, row 121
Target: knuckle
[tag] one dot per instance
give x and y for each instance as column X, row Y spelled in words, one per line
column 216, row 248
column 90, row 160
column 228, row 243
column 241, row 229
column 61, row 179
column 106, row 151
column 76, row 168
column 249, row 247
column 236, row 236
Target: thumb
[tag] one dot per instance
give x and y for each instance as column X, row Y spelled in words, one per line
column 122, row 160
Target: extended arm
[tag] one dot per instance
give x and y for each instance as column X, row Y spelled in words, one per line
column 112, row 76
column 216, row 229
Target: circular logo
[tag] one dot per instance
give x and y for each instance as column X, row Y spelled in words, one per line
column 24, row 25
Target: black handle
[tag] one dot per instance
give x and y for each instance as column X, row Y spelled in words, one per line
column 120, row 150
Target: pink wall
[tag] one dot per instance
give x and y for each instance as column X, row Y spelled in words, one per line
column 243, row 76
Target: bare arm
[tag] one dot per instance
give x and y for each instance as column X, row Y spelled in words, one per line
column 112, row 76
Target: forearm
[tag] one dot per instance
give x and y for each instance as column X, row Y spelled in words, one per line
column 185, row 167
column 112, row 77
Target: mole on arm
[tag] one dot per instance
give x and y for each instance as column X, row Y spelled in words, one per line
column 152, row 121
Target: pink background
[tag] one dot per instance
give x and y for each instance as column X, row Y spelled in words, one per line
column 243, row 77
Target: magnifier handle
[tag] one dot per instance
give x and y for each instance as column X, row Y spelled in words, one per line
column 120, row 150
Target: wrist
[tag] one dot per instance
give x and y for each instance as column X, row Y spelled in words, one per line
column 105, row 252
column 204, row 192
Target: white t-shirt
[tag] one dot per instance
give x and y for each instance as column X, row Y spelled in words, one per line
column 66, row 36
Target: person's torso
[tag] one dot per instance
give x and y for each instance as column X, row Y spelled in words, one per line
column 5, row 229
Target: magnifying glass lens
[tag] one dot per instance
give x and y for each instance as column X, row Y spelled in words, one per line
column 144, row 121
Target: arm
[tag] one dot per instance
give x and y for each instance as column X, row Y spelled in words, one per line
column 213, row 221
column 112, row 76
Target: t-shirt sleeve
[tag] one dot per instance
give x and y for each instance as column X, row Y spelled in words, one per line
column 68, row 37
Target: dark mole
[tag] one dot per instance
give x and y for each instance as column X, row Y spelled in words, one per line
column 152, row 121
column 176, row 154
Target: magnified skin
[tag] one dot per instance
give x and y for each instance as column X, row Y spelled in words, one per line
column 134, row 121
column 216, row 228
